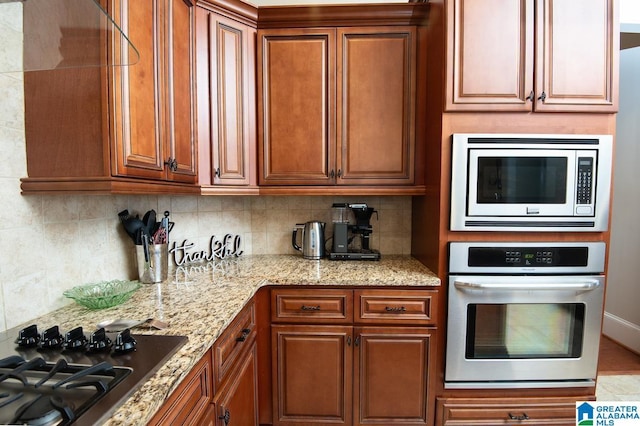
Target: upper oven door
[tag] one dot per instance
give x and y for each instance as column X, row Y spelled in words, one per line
column 523, row 182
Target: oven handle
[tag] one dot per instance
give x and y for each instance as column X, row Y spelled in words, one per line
column 584, row 286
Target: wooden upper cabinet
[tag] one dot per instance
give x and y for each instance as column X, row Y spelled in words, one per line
column 118, row 129
column 225, row 62
column 577, row 56
column 376, row 95
column 496, row 47
column 153, row 131
column 296, row 108
column 336, row 106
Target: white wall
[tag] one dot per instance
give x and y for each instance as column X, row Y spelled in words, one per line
column 630, row 11
column 51, row 243
column 622, row 316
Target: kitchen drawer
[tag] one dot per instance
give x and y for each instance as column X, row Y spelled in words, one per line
column 190, row 402
column 506, row 411
column 231, row 344
column 396, row 306
column 312, row 306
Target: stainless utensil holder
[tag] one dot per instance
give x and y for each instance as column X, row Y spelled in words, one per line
column 153, row 269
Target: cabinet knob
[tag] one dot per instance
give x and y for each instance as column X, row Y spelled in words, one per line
column 542, row 97
column 217, row 172
column 172, row 163
column 332, row 174
column 226, row 417
column 339, row 172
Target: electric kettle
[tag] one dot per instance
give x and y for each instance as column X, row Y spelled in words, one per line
column 312, row 239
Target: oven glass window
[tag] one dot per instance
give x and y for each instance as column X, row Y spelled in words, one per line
column 519, row 180
column 524, row 330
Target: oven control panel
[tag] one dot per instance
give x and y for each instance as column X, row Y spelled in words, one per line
column 528, row 256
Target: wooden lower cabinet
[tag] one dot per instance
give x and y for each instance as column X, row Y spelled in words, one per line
column 507, row 411
column 351, row 375
column 236, row 404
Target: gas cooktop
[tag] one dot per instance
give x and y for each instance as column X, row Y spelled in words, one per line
column 75, row 378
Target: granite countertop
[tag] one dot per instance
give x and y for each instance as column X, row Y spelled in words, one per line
column 200, row 301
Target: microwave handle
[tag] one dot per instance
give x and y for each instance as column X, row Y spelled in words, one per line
column 584, row 286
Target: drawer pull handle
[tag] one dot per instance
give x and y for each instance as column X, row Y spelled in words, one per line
column 310, row 308
column 243, row 337
column 395, row 309
column 522, row 417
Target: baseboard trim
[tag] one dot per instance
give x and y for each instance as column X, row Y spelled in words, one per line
column 622, row 331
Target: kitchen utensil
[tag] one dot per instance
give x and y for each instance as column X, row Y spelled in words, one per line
column 133, row 226
column 312, row 239
column 117, row 325
column 149, row 220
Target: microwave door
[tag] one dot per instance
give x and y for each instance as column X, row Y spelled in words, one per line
column 521, row 183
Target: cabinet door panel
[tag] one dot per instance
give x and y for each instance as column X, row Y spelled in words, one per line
column 312, row 374
column 490, row 55
column 239, row 400
column 296, row 85
column 230, row 92
column 577, row 56
column 392, row 379
column 137, row 130
column 376, row 93
column 180, row 106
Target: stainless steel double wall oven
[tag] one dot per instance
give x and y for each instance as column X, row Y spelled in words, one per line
column 525, row 314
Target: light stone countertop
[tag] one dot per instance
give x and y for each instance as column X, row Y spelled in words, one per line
column 201, row 301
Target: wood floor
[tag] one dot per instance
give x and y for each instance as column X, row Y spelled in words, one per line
column 616, row 360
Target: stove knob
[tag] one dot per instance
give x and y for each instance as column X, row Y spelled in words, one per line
column 28, row 337
column 98, row 341
column 51, row 338
column 124, row 342
column 75, row 340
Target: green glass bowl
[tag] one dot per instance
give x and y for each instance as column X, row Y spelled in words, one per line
column 104, row 294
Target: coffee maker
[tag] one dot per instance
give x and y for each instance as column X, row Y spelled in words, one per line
column 352, row 232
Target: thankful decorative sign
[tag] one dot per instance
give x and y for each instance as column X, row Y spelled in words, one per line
column 228, row 246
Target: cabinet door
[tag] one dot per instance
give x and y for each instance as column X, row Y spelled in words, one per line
column 296, row 106
column 152, row 103
column 136, row 107
column 489, row 55
column 391, row 380
column 577, row 56
column 376, row 105
column 312, row 368
column 226, row 99
column 237, row 403
column 178, row 85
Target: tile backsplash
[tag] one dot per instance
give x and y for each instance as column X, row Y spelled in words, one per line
column 51, row 243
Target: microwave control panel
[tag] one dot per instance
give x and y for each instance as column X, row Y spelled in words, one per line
column 528, row 256
column 585, row 180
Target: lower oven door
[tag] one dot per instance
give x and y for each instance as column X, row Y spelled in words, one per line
column 523, row 331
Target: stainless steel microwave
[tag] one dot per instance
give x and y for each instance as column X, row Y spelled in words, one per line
column 530, row 182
